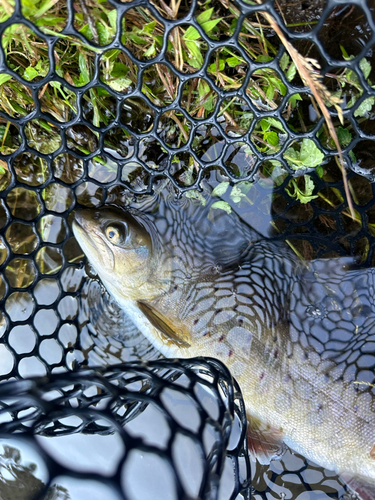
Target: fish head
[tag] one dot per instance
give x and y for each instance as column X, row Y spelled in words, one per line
column 123, row 246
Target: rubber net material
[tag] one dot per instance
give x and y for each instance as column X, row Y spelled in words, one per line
column 57, row 159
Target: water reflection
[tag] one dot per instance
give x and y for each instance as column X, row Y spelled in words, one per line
column 23, row 472
column 321, row 294
column 107, row 334
column 329, row 300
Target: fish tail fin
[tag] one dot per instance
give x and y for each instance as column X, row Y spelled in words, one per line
column 362, row 488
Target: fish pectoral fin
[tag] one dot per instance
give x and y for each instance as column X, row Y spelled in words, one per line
column 361, row 487
column 265, row 442
column 170, row 333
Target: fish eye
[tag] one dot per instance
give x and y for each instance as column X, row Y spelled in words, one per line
column 116, row 233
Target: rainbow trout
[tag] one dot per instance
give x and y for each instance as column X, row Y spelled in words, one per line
column 302, row 350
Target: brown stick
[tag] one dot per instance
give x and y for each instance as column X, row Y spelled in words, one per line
column 305, row 69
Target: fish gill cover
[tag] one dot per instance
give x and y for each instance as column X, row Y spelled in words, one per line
column 258, row 104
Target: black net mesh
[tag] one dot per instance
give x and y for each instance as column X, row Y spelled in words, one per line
column 176, row 428
column 108, row 111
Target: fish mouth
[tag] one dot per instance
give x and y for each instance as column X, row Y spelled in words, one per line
column 83, row 229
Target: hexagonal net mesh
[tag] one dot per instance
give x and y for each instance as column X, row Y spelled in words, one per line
column 108, row 102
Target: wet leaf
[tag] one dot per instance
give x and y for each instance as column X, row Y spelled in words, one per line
column 291, row 73
column 365, row 67
column 196, row 195
column 220, row 189
column 344, row 136
column 222, row 205
column 284, row 61
column 293, row 100
column 364, row 107
column 303, row 196
column 272, row 138
column 274, row 123
column 239, row 191
column 309, row 155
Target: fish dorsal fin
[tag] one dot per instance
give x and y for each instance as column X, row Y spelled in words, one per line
column 363, row 489
column 265, row 442
column 171, row 334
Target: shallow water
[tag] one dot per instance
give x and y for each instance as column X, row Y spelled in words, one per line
column 323, row 299
column 97, row 333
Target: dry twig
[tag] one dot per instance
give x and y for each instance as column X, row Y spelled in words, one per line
column 305, row 67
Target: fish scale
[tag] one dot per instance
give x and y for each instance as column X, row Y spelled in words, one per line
column 274, row 323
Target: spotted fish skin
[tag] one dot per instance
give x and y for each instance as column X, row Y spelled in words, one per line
column 247, row 314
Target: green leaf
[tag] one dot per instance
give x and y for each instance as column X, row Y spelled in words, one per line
column 30, row 73
column 205, row 16
column 4, row 78
column 275, row 123
column 263, row 58
column 320, row 170
column 191, row 34
column 137, row 39
column 203, row 88
column 309, row 155
column 222, row 205
column 279, row 85
column 270, row 92
column 239, row 191
column 43, row 7
column 112, row 18
column 149, row 27
column 84, row 76
column 365, row 67
column 210, row 25
column 214, row 67
column 352, row 156
column 345, row 54
column 272, row 138
column 265, row 124
column 284, row 61
column 56, row 85
column 291, row 73
column 86, row 32
column 193, row 47
column 364, row 107
column 119, row 70
column 150, row 51
column 232, row 61
column 344, row 136
column 104, row 34
column 293, row 100
column 50, row 21
column 220, row 189
column 303, row 196
column 120, row 84
column 196, row 195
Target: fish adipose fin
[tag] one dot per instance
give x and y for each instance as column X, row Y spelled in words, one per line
column 362, row 488
column 169, row 332
column 265, row 442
